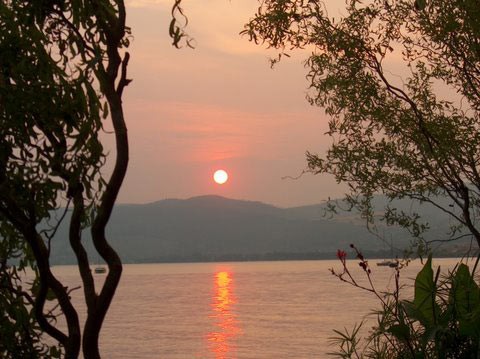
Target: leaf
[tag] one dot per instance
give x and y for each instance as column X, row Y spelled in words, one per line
column 55, row 352
column 424, row 297
column 420, row 4
column 465, row 297
column 400, row 331
column 105, row 110
column 466, row 291
column 50, row 295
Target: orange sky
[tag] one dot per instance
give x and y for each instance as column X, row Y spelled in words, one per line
column 190, row 112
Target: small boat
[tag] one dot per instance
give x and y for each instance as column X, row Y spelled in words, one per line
column 100, row 270
column 387, row 263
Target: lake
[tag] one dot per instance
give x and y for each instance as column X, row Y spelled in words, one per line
column 284, row 309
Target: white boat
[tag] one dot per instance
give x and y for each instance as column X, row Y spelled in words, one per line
column 388, row 263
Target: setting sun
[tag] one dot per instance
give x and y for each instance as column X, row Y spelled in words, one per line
column 220, row 176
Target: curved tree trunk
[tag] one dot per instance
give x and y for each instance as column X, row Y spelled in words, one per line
column 98, row 307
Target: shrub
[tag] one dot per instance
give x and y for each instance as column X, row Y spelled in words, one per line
column 441, row 321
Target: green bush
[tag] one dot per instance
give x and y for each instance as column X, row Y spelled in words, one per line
column 441, row 321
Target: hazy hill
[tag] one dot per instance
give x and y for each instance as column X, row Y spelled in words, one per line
column 215, row 228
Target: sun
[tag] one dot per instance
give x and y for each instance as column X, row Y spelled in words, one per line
column 220, row 176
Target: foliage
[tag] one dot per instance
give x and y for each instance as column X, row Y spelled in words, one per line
column 400, row 82
column 20, row 335
column 62, row 74
column 63, row 70
column 442, row 320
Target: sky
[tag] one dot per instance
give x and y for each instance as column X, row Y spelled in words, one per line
column 220, row 105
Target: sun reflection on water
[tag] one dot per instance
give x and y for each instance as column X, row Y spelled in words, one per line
column 221, row 340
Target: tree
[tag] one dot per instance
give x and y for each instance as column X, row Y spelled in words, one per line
column 400, row 81
column 63, row 70
column 62, row 74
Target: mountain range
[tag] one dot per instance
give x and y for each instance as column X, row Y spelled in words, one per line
column 213, row 228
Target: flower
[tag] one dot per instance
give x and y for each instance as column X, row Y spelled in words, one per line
column 342, row 255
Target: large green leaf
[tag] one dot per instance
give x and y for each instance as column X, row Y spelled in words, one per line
column 465, row 297
column 465, row 291
column 424, row 297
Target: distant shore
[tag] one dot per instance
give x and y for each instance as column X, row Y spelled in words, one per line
column 371, row 255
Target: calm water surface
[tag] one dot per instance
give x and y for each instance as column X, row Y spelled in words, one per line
column 233, row 310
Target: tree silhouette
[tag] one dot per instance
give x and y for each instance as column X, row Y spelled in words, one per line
column 400, row 83
column 63, row 70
